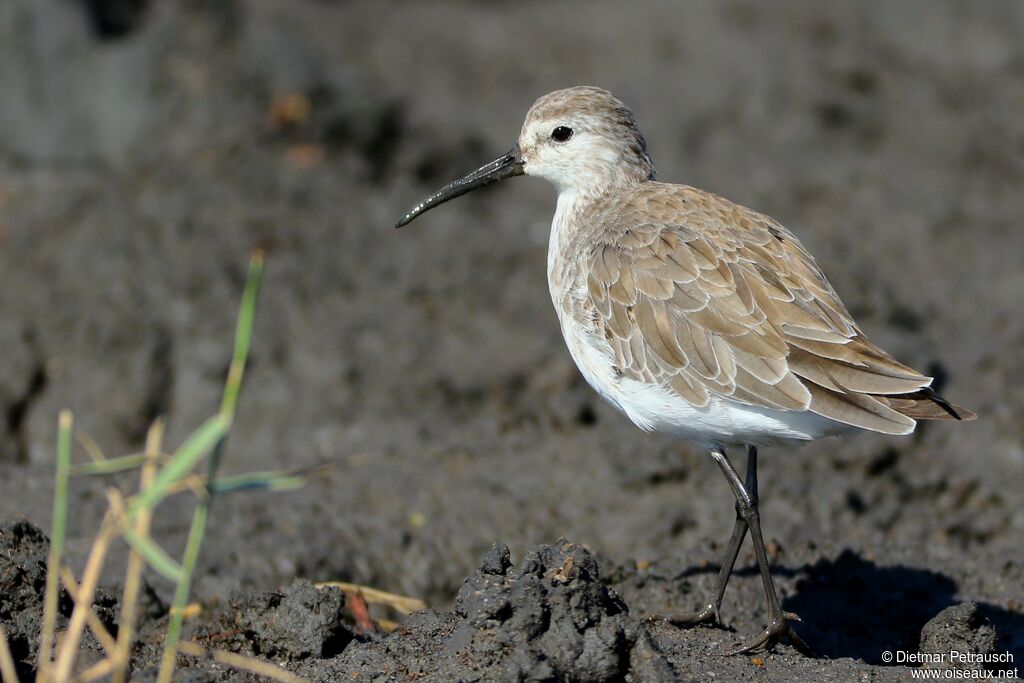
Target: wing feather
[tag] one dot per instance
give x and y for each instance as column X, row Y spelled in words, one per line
column 718, row 300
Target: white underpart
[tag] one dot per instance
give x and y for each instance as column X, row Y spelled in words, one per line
column 657, row 408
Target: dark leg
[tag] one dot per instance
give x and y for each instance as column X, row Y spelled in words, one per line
column 746, row 500
column 710, row 613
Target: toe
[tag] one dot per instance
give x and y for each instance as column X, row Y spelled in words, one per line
column 798, row 642
column 771, row 636
column 765, row 641
column 709, row 615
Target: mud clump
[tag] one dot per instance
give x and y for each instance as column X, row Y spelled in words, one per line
column 303, row 621
column 960, row 628
column 23, row 550
column 297, row 623
column 551, row 618
column 23, row 554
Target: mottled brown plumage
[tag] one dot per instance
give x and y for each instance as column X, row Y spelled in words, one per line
column 713, row 299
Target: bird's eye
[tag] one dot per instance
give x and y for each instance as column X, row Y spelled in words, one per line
column 561, row 134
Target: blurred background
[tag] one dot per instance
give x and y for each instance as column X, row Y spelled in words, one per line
column 145, row 147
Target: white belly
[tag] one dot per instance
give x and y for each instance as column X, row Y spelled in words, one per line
column 656, row 408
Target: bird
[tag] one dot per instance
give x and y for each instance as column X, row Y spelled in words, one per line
column 697, row 317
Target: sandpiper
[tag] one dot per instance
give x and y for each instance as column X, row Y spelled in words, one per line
column 696, row 316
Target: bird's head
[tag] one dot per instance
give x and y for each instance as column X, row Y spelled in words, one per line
column 581, row 139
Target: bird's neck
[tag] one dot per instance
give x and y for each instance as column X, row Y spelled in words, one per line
column 570, row 234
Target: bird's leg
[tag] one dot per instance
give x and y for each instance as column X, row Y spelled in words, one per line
column 710, row 614
column 746, row 499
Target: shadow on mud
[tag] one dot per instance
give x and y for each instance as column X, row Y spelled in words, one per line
column 852, row 607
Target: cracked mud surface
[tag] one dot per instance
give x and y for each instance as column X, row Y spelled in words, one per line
column 145, row 150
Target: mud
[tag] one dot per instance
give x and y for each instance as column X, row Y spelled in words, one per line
column 146, row 147
column 962, row 629
column 23, row 555
column 553, row 617
column 550, row 618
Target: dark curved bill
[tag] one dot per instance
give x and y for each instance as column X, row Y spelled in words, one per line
column 507, row 165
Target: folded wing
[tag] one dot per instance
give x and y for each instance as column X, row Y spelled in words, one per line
column 719, row 300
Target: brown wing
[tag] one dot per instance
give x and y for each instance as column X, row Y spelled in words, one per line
column 720, row 300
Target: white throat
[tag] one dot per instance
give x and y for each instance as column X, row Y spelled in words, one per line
column 560, row 249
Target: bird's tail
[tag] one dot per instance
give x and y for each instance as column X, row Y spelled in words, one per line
column 926, row 404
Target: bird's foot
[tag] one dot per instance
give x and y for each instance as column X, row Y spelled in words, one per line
column 709, row 616
column 778, row 627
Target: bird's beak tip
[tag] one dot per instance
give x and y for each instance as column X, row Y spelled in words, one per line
column 508, row 165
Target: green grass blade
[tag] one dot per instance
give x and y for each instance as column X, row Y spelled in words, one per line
column 232, row 389
column 258, row 481
column 201, row 442
column 155, row 556
column 181, row 592
column 110, row 465
column 58, row 534
column 243, row 336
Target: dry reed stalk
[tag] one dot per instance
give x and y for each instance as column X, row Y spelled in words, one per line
column 250, row 664
column 133, row 573
column 90, row 576
column 7, row 669
column 402, row 603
